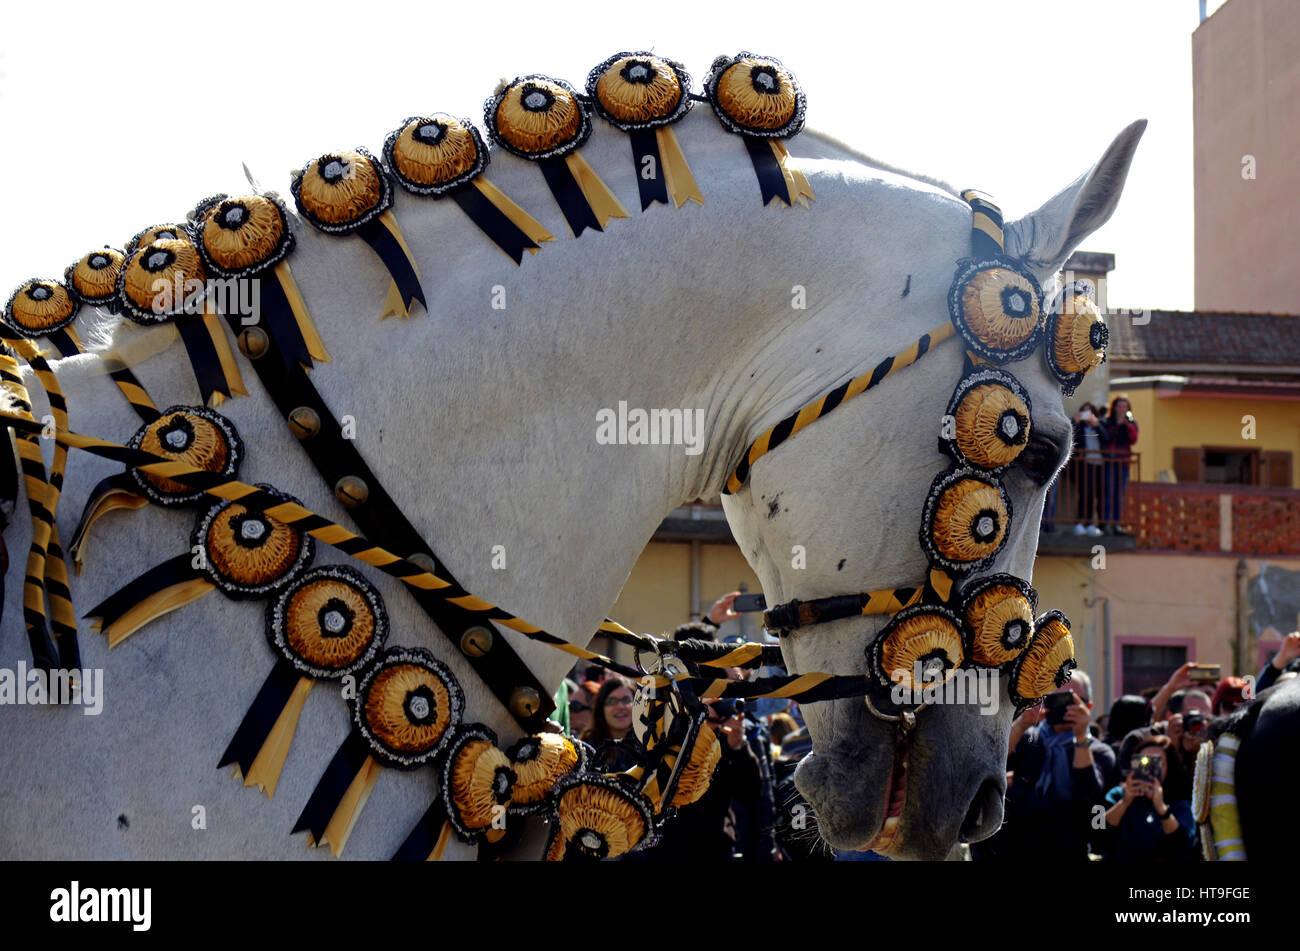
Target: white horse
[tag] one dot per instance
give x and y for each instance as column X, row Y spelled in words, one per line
column 482, row 424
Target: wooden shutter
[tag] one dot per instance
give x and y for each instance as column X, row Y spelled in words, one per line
column 1189, row 465
column 1275, row 469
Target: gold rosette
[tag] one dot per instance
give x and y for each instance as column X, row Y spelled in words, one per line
column 407, row 707
column 596, row 818
column 1076, row 337
column 1047, row 662
column 999, row 616
column 478, row 783
column 921, row 646
column 93, row 278
column 990, row 418
column 539, row 761
column 40, row 307
column 965, row 522
column 997, row 308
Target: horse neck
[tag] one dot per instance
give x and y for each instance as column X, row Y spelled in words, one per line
column 482, row 422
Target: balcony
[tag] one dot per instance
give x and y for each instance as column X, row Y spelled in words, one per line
column 1237, row 519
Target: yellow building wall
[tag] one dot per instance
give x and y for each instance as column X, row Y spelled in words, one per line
column 657, row 595
column 1185, row 599
column 1173, row 422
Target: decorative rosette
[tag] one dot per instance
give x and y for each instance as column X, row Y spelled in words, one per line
column 542, row 119
column 537, row 117
column 348, row 192
column 440, row 155
column 596, row 818
column 92, row 279
column 408, row 707
column 965, row 522
column 432, row 155
column 247, row 237
column 990, row 414
column 340, row 192
column 477, row 784
column 1047, row 662
column 997, row 308
column 158, row 278
column 248, row 553
column 194, row 435
column 152, row 234
column 241, row 236
column 1076, row 336
column 329, row 623
column 643, row 95
column 39, row 307
column 924, row 639
column 757, row 98
column 998, row 614
column 539, row 761
column 703, row 758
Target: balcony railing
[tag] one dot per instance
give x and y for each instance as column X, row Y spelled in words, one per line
column 1093, row 497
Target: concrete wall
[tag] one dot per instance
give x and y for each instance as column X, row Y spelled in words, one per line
column 1246, row 101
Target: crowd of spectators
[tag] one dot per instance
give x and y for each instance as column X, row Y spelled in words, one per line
column 1113, row 787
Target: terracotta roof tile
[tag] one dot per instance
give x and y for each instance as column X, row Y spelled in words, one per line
column 1173, row 336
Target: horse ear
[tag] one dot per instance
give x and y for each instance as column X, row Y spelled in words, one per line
column 1046, row 237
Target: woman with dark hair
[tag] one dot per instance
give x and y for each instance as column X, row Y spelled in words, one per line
column 1128, row 713
column 1123, row 431
column 1091, row 438
column 1140, row 825
column 610, row 732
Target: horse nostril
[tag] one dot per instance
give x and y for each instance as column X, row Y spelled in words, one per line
column 985, row 814
column 1041, row 457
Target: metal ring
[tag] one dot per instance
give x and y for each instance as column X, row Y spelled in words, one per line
column 906, row 719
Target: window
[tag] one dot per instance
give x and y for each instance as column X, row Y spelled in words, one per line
column 1149, row 665
column 1225, row 465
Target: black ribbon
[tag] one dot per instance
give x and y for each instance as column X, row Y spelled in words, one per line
column 170, row 572
column 420, row 843
column 281, row 322
column 492, row 221
column 770, row 178
column 203, row 357
column 338, row 776
column 121, row 482
column 569, row 196
column 63, row 342
column 646, row 145
column 261, row 716
column 399, row 266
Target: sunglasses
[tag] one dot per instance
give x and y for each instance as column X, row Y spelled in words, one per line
column 577, row 706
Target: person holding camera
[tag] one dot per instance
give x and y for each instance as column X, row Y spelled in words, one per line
column 1091, row 439
column 1059, row 771
column 1141, row 826
column 1122, row 430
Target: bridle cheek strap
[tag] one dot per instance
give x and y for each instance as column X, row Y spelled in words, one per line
column 788, row 617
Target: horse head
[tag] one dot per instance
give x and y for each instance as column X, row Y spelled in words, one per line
column 835, row 510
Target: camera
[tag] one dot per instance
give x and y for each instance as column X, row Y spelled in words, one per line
column 1056, row 704
column 725, row 709
column 1194, row 722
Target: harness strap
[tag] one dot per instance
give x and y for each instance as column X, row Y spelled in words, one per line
column 788, row 617
column 69, row 344
column 987, row 239
column 454, row 611
column 841, row 394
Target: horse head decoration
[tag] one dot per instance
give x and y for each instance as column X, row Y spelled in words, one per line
column 761, row 292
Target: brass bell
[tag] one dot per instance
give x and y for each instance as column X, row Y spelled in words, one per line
column 524, row 702
column 351, row 491
column 425, row 562
column 254, row 342
column 304, row 422
column 476, row 641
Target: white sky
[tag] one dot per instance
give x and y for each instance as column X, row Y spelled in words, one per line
column 117, row 116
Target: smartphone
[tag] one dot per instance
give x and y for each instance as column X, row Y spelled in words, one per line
column 749, row 602
column 1204, row 673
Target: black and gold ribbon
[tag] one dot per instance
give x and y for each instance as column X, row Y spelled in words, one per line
column 339, row 796
column 543, row 120
column 644, row 94
column 987, row 239
column 757, row 98
column 261, row 743
column 349, row 192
